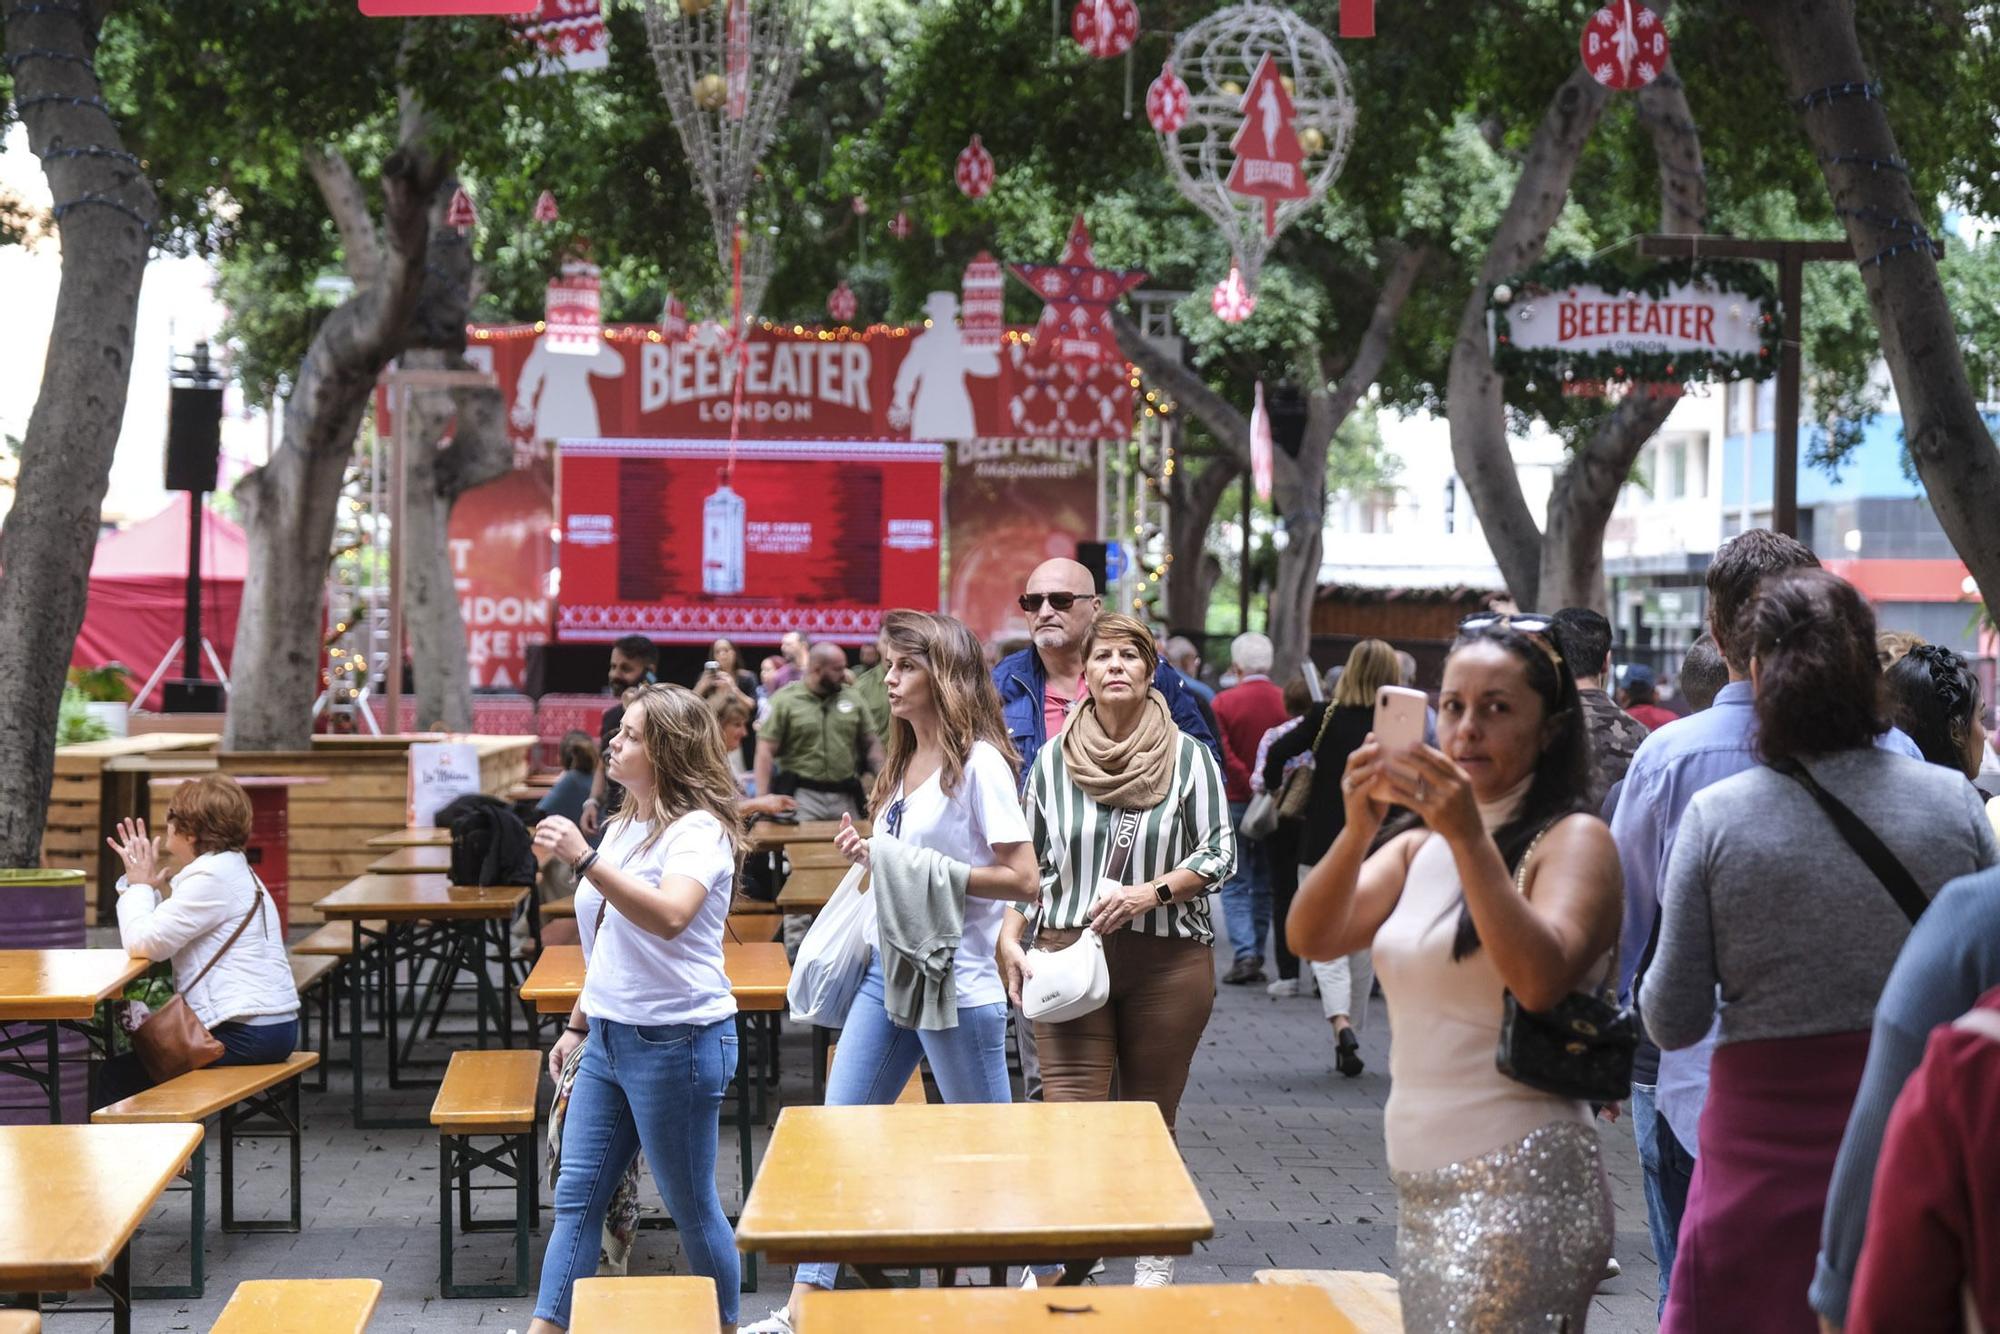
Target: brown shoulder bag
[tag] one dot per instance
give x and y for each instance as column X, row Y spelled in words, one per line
column 173, row 1040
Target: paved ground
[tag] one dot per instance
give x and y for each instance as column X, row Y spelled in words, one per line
column 1287, row 1152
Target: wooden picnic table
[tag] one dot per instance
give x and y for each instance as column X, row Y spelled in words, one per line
column 971, row 1184
column 808, row 888
column 72, row 1196
column 802, row 855
column 41, row 991
column 1212, row 1308
column 767, row 835
column 413, row 836
column 421, row 859
column 468, row 919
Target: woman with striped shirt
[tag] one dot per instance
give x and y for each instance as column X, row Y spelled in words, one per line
column 1120, row 752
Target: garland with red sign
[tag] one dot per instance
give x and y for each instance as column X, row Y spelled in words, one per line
column 1748, row 282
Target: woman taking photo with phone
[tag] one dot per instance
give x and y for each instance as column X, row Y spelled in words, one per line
column 949, row 785
column 657, row 1018
column 1502, row 884
column 1120, row 760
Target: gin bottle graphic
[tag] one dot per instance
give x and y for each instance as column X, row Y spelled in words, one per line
column 722, row 543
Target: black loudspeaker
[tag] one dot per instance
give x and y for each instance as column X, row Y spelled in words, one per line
column 194, row 438
column 1287, row 408
column 1090, row 555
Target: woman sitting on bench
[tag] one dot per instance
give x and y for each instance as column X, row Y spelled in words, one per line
column 237, row 982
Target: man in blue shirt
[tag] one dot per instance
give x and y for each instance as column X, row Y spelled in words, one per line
column 1042, row 683
column 1670, row 766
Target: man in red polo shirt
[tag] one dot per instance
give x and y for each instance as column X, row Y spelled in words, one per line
column 1244, row 712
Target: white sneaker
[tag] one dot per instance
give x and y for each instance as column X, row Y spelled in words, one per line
column 1284, row 986
column 1153, row 1271
column 778, row 1322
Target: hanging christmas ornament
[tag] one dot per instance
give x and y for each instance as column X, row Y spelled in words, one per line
column 545, row 207
column 673, row 318
column 982, row 304
column 860, row 206
column 726, row 70
column 1624, row 45
column 1357, row 18
column 1105, row 28
column 1270, row 161
column 840, row 303
column 1076, row 322
column 1260, row 446
column 573, row 311
column 1234, row 107
column 974, row 172
column 461, row 214
column 1167, row 101
column 1232, row 301
column 901, row 225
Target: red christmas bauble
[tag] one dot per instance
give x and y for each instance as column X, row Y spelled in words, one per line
column 1167, row 101
column 974, row 172
column 1105, row 28
column 840, row 303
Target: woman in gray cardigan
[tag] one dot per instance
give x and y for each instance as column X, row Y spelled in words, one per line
column 1768, row 911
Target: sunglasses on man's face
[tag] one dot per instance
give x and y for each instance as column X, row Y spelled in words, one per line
column 1032, row 602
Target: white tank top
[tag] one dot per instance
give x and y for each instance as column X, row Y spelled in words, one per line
column 1447, row 1101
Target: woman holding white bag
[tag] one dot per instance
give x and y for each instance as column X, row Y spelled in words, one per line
column 949, row 787
column 1123, row 773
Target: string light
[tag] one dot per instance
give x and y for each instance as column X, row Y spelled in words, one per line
column 1833, row 92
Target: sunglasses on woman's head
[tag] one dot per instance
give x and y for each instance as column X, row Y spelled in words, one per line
column 1526, row 623
column 1032, row 602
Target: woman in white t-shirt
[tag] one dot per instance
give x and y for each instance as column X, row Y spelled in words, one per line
column 651, row 903
column 950, row 785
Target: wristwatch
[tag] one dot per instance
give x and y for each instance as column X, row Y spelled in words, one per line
column 1163, row 892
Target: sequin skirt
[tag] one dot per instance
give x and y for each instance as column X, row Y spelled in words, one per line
column 1515, row 1240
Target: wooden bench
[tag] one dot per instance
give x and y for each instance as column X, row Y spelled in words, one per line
column 336, row 938
column 299, row 1306
column 20, row 1322
column 752, row 928
column 627, row 1305
column 487, row 1094
column 1367, row 1299
column 255, row 1102
column 312, row 978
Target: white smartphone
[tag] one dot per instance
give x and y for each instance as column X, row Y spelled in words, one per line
column 1399, row 717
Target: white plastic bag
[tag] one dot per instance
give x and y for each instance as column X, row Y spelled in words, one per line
column 833, row 958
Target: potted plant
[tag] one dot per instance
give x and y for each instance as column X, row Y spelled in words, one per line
column 107, row 694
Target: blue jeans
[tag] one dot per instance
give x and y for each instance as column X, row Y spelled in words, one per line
column 658, row 1088
column 242, row 1044
column 876, row 1058
column 1246, row 895
column 1668, row 1170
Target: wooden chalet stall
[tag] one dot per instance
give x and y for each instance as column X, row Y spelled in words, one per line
column 363, row 792
column 1422, row 621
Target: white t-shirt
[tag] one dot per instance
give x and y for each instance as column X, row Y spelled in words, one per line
column 634, row 976
column 984, row 811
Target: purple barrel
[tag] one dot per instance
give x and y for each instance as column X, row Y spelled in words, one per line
column 43, row 909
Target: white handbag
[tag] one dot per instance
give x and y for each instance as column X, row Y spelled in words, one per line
column 1074, row 981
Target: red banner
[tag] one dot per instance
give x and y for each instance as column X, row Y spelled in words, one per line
column 659, row 539
column 1013, row 504
column 802, row 384
column 502, row 559
column 410, row 9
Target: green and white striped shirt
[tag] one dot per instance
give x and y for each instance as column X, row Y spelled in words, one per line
column 1189, row 830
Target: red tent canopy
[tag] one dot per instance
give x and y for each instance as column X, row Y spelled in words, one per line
column 138, row 592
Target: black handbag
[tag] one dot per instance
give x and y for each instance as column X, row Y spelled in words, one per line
column 1582, row 1048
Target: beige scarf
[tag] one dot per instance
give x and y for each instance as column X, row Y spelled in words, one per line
column 1133, row 774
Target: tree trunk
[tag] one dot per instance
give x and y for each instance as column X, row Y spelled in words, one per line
column 434, row 479
column 1298, row 486
column 1814, row 42
column 1474, row 399
column 1190, row 510
column 288, row 504
column 1580, row 505
column 104, row 210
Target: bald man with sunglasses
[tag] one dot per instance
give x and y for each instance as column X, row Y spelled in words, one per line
column 1042, row 683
